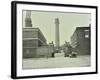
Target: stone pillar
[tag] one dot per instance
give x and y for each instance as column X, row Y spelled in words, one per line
column 28, row 21
column 57, row 34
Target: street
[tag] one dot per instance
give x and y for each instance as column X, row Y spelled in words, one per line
column 57, row 62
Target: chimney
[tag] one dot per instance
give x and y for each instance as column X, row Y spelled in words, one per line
column 28, row 21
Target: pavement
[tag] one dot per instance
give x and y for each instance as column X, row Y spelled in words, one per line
column 57, row 62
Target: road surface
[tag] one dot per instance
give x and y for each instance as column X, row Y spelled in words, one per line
column 57, row 62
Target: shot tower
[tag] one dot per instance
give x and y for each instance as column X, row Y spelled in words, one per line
column 57, row 34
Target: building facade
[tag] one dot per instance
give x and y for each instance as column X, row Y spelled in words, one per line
column 32, row 39
column 80, row 40
column 45, row 51
column 34, row 42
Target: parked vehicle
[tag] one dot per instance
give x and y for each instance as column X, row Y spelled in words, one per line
column 73, row 55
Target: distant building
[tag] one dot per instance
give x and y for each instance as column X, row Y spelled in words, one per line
column 32, row 39
column 80, row 40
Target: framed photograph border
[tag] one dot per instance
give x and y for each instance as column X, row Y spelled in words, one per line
column 14, row 38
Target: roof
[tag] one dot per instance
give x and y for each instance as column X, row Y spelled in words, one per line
column 82, row 28
column 33, row 29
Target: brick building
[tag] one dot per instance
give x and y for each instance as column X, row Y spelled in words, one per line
column 34, row 42
column 32, row 39
column 80, row 40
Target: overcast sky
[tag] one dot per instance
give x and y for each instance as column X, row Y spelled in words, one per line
column 68, row 23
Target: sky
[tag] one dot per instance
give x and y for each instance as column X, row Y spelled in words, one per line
column 68, row 23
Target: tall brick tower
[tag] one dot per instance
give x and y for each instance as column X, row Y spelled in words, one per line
column 57, row 34
column 28, row 21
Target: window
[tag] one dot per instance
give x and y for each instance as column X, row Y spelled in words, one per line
column 27, row 51
column 87, row 36
column 86, row 33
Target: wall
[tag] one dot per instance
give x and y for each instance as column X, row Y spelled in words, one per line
column 83, row 43
column 79, row 42
column 45, row 51
column 5, row 40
